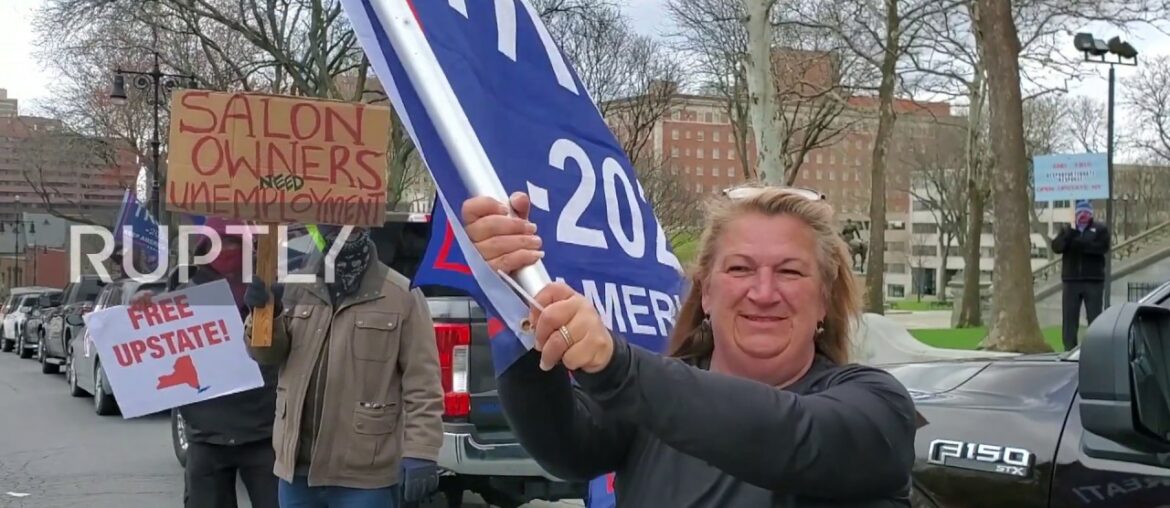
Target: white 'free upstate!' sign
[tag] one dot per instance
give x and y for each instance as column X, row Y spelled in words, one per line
column 185, row 347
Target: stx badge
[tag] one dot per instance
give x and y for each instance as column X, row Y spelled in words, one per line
column 982, row 457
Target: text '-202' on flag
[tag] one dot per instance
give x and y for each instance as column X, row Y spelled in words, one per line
column 486, row 94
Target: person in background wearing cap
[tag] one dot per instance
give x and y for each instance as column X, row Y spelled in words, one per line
column 1083, row 247
column 359, row 399
column 230, row 435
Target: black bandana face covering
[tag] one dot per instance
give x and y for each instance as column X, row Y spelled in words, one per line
column 351, row 262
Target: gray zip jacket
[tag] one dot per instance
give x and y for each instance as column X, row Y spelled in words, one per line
column 681, row 436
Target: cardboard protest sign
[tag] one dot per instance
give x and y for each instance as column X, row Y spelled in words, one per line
column 277, row 159
column 185, row 347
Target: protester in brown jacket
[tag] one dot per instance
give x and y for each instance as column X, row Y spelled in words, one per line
column 359, row 400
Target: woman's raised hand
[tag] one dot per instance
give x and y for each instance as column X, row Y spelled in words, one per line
column 506, row 243
column 570, row 331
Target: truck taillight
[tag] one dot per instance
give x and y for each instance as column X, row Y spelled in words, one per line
column 454, row 341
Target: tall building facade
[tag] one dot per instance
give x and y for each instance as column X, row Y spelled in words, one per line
column 46, row 168
column 8, row 107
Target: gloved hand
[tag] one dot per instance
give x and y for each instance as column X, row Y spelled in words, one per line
column 419, row 479
column 257, row 294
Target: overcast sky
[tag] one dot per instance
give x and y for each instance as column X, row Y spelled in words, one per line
column 26, row 80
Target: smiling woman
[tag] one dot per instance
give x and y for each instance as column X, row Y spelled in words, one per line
column 756, row 404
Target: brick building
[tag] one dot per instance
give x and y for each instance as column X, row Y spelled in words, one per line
column 81, row 175
column 695, row 139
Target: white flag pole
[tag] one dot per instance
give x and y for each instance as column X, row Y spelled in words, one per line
column 452, row 124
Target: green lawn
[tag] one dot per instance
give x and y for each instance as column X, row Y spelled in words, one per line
column 915, row 305
column 969, row 338
column 685, row 247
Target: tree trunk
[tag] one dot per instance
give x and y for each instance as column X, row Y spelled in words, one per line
column 971, row 312
column 875, row 267
column 1014, row 326
column 944, row 251
column 762, row 92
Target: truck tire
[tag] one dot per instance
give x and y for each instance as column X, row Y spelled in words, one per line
column 179, row 437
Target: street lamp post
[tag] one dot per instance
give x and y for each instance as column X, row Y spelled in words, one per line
column 19, row 227
column 159, row 83
column 1095, row 51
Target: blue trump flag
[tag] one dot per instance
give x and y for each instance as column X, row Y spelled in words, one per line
column 485, row 92
column 491, row 72
column 142, row 226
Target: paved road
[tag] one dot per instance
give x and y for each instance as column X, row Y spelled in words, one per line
column 56, row 453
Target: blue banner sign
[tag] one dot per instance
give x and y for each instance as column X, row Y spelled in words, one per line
column 1071, row 177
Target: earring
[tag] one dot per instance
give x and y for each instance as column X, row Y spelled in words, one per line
column 820, row 327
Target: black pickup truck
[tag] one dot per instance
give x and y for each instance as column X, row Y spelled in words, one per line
column 1090, row 427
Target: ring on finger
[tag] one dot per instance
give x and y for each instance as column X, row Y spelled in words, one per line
column 565, row 335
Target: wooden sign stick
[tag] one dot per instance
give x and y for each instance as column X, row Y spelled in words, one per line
column 266, row 270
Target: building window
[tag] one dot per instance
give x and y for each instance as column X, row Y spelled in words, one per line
column 832, row 158
column 819, row 175
column 709, row 118
column 924, row 250
column 820, row 159
column 674, row 115
column 832, row 176
column 895, row 290
column 674, row 134
column 731, row 171
column 895, row 268
column 674, row 170
column 699, row 187
column 699, row 153
column 687, row 151
column 730, row 155
column 701, row 135
column 674, row 151
column 687, row 134
column 698, row 170
column 688, row 170
column 714, row 153
column 1064, row 203
column 920, row 228
column 715, row 136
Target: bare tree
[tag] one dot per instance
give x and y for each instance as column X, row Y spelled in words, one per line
column 1085, row 123
column 938, row 184
column 811, row 76
column 881, row 33
column 633, row 78
column 676, row 204
column 1148, row 98
column 54, row 160
column 1014, row 325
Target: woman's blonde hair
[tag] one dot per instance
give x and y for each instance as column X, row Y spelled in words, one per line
column 691, row 340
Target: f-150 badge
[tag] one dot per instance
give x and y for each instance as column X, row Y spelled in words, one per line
column 982, row 457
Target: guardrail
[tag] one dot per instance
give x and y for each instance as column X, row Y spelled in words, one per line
column 1156, row 236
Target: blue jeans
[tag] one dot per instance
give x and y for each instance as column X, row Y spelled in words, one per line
column 299, row 494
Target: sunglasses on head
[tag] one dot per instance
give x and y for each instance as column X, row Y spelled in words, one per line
column 751, row 191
